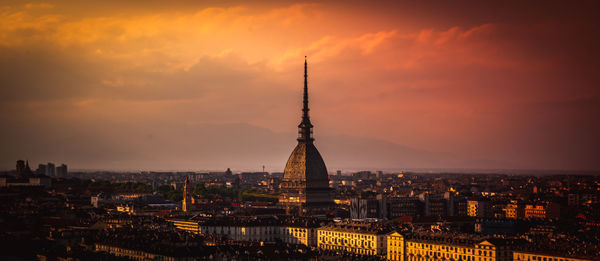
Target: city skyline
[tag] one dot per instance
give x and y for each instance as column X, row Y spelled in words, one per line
column 118, row 86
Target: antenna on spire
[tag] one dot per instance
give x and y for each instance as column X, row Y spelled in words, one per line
column 305, row 100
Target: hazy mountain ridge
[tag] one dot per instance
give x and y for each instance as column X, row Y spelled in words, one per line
column 181, row 146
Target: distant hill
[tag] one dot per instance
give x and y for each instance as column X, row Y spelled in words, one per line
column 180, row 146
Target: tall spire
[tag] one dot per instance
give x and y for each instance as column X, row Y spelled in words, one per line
column 305, row 127
column 305, row 100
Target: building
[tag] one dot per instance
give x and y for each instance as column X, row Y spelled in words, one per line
column 41, row 170
column 543, row 210
column 61, row 171
column 357, row 238
column 500, row 226
column 435, row 204
column 532, row 256
column 395, row 246
column 361, row 208
column 20, row 168
column 514, row 210
column 50, row 170
column 23, row 170
column 438, row 246
column 189, row 225
column 403, row 206
column 291, row 230
column 25, row 177
column 30, row 181
column 479, row 208
column 305, row 183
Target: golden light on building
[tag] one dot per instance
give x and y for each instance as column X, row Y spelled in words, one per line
column 431, row 248
column 352, row 239
column 527, row 256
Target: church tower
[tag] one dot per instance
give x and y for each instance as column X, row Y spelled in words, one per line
column 305, row 183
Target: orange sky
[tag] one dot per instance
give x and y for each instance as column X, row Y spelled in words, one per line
column 468, row 84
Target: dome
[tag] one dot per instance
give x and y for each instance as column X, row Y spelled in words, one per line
column 306, row 164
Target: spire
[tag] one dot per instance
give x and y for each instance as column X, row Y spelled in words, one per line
column 305, row 127
column 305, row 100
column 184, row 203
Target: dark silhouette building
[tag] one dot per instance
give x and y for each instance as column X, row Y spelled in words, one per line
column 305, row 184
column 23, row 170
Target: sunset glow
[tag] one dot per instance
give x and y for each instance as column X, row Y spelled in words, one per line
column 218, row 84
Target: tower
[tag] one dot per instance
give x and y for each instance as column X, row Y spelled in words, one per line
column 305, row 183
column 184, row 204
column 20, row 168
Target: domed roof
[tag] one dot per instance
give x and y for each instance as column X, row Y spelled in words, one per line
column 306, row 164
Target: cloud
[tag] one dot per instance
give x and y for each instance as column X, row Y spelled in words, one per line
column 38, row 5
column 479, row 87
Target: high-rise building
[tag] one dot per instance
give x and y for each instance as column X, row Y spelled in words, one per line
column 50, row 170
column 61, row 171
column 305, row 183
column 41, row 170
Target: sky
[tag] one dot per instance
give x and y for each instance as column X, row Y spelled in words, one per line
column 196, row 85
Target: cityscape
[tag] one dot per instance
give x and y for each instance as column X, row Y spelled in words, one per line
column 129, row 164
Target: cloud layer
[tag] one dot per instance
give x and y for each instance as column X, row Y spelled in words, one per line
column 511, row 84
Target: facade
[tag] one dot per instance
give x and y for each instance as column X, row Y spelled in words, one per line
column 514, row 210
column 61, row 171
column 435, row 205
column 530, row 256
column 254, row 229
column 305, row 183
column 546, row 210
column 479, row 208
column 191, row 226
column 32, row 181
column 435, row 248
column 50, row 170
column 361, row 208
column 361, row 239
column 138, row 254
column 395, row 246
column 403, row 206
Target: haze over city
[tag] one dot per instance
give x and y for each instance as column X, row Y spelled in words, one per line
column 215, row 84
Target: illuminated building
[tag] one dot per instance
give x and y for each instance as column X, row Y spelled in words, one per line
column 430, row 247
column 544, row 210
column 254, row 229
column 530, row 256
column 479, row 208
column 514, row 210
column 191, row 226
column 395, row 246
column 305, row 183
column 136, row 254
column 361, row 239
